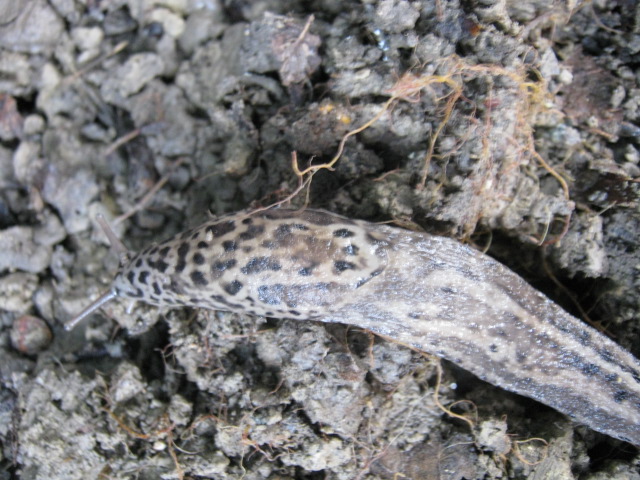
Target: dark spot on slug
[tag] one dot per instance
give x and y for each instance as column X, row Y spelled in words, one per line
column 283, row 231
column 471, row 274
column 569, row 358
column 343, row 233
column 271, row 294
column 131, row 276
column 294, row 312
column 156, row 288
column 286, row 229
column 590, row 369
column 161, row 266
column 527, row 381
column 222, row 228
column 233, row 287
column 607, row 356
column 305, row 271
column 163, row 252
column 183, row 249
column 142, row 278
column 138, row 263
column 153, row 251
column 195, row 235
column 229, row 245
column 220, row 266
column 620, row 396
column 261, row 264
column 414, row 315
column 493, row 347
column 291, row 303
column 198, row 258
column 584, row 337
column 521, row 357
column 611, row 377
column 268, row 244
column 198, row 278
column 220, row 299
column 322, row 286
column 340, row 266
column 350, row 250
column 202, row 244
column 247, row 221
column 252, row 232
column 225, row 265
column 448, row 290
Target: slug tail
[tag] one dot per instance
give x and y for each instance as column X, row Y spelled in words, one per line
column 441, row 297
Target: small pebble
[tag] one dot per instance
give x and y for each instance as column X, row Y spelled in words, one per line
column 30, row 335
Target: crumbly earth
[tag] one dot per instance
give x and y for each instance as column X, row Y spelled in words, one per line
column 511, row 125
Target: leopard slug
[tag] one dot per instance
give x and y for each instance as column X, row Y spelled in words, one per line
column 431, row 293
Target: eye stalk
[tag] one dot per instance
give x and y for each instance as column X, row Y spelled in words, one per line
column 101, row 300
column 123, row 253
column 116, row 245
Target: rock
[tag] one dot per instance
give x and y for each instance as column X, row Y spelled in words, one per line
column 71, row 196
column 396, row 15
column 16, row 291
column 132, row 76
column 35, row 29
column 30, row 335
column 21, row 252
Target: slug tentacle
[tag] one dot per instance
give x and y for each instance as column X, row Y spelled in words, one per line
column 432, row 293
column 116, row 245
column 124, row 254
column 101, row 300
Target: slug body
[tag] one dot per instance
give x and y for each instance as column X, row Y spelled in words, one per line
column 431, row 293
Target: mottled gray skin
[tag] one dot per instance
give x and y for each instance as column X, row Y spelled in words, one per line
column 431, row 293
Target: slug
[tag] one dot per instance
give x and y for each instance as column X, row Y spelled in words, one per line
column 431, row 293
